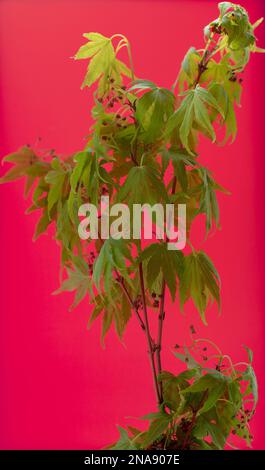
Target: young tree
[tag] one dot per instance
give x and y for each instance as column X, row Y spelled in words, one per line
column 142, row 149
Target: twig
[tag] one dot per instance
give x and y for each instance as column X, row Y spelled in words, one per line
column 207, row 54
column 120, row 281
column 162, row 315
column 148, row 336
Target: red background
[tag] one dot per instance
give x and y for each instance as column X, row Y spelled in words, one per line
column 60, row 389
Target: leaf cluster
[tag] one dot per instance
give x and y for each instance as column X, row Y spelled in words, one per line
column 204, row 408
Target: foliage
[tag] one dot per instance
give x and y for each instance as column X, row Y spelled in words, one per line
column 208, row 406
column 142, row 148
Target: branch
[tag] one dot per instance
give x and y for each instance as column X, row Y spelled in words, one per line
column 148, row 336
column 207, row 54
column 160, row 332
column 120, row 281
column 162, row 314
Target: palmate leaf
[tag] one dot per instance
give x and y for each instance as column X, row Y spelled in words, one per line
column 143, row 186
column 189, row 68
column 208, row 201
column 42, row 225
column 180, row 160
column 226, row 92
column 162, row 261
column 78, row 281
column 156, row 429
column 224, row 7
column 142, row 85
column 88, row 174
column 225, row 98
column 25, row 164
column 113, row 255
column 21, row 160
column 193, row 111
column 173, row 385
column 103, row 64
column 55, row 179
column 250, row 376
column 238, row 28
column 101, row 52
column 153, row 110
column 66, row 232
column 200, row 282
column 124, row 442
column 205, row 427
column 217, row 72
column 215, row 386
column 202, row 188
column 112, row 307
column 83, row 175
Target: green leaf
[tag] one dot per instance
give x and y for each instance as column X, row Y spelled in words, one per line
column 113, row 307
column 235, row 395
column 217, row 72
column 81, row 159
column 227, row 95
column 97, row 41
column 206, row 382
column 249, row 353
column 101, row 52
column 157, row 427
column 21, row 160
column 170, row 263
column 42, row 224
column 215, row 392
column 143, row 185
column 153, row 110
column 173, row 384
column 113, row 255
column 103, row 64
column 193, row 110
column 76, row 281
column 189, row 68
column 249, row 375
column 200, row 281
column 142, row 85
column 204, row 427
column 238, row 28
column 224, row 7
column 55, row 178
column 180, row 160
column 124, row 442
column 207, row 198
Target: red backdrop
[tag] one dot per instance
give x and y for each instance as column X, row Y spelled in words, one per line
column 60, row 389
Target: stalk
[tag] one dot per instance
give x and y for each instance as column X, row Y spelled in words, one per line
column 162, row 315
column 120, row 280
column 151, row 348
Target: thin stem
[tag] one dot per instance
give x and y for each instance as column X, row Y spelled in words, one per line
column 203, row 340
column 130, row 59
column 148, row 336
column 160, row 332
column 207, row 55
column 120, row 280
column 200, row 65
column 128, row 50
column 162, row 314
